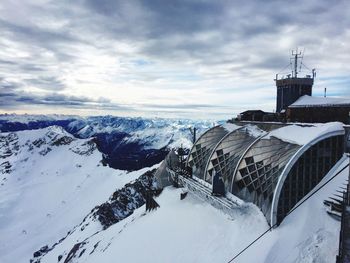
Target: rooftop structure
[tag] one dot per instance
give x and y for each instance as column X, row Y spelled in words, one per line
column 309, row 101
column 256, row 115
column 319, row 109
column 290, row 87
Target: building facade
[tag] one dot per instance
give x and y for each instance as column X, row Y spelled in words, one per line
column 319, row 109
column 291, row 89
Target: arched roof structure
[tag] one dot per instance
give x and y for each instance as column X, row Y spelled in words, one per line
column 275, row 169
column 203, row 147
column 228, row 151
column 258, row 171
column 305, row 170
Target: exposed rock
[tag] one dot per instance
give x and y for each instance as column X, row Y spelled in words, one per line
column 87, row 148
column 62, row 141
column 73, row 251
column 121, row 204
column 41, row 251
column 124, row 201
column 8, row 145
column 5, row 167
column 45, row 151
column 39, row 142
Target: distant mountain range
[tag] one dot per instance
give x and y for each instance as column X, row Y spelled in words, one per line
column 126, row 143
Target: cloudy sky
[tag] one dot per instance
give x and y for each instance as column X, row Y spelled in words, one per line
column 191, row 58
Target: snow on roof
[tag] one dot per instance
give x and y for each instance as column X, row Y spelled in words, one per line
column 254, row 130
column 310, row 101
column 303, row 134
column 230, row 126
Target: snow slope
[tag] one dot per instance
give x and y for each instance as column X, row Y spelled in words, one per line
column 193, row 231
column 179, row 231
column 53, row 182
column 307, row 235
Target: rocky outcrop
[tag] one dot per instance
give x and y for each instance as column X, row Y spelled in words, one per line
column 124, row 201
column 120, row 205
column 5, row 167
column 87, row 148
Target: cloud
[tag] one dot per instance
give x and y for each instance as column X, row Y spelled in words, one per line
column 47, row 83
column 12, row 100
column 13, row 95
column 192, row 56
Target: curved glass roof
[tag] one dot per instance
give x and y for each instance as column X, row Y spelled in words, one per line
column 254, row 165
column 225, row 157
column 203, row 147
column 259, row 170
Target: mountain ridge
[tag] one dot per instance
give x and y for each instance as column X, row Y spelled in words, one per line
column 126, row 143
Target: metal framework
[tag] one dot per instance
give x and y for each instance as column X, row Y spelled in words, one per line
column 304, row 171
column 202, row 149
column 272, row 173
column 259, row 170
column 227, row 154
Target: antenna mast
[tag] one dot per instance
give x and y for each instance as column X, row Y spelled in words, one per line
column 296, row 55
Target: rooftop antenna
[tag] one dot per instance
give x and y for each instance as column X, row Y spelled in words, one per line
column 301, row 61
column 296, row 55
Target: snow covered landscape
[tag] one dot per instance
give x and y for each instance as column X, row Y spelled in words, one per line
column 59, row 203
column 179, row 131
column 50, row 182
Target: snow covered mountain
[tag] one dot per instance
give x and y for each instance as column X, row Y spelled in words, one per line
column 50, row 181
column 59, row 203
column 190, row 230
column 127, row 143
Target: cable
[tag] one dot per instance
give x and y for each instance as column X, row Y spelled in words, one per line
column 290, row 63
column 301, row 61
column 291, row 211
column 305, row 66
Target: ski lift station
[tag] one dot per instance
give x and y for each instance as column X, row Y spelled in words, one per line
column 276, row 160
column 272, row 165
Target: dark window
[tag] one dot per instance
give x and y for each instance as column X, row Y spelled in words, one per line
column 307, row 172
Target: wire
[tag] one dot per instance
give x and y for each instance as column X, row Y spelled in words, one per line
column 290, row 63
column 291, row 211
column 306, row 66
